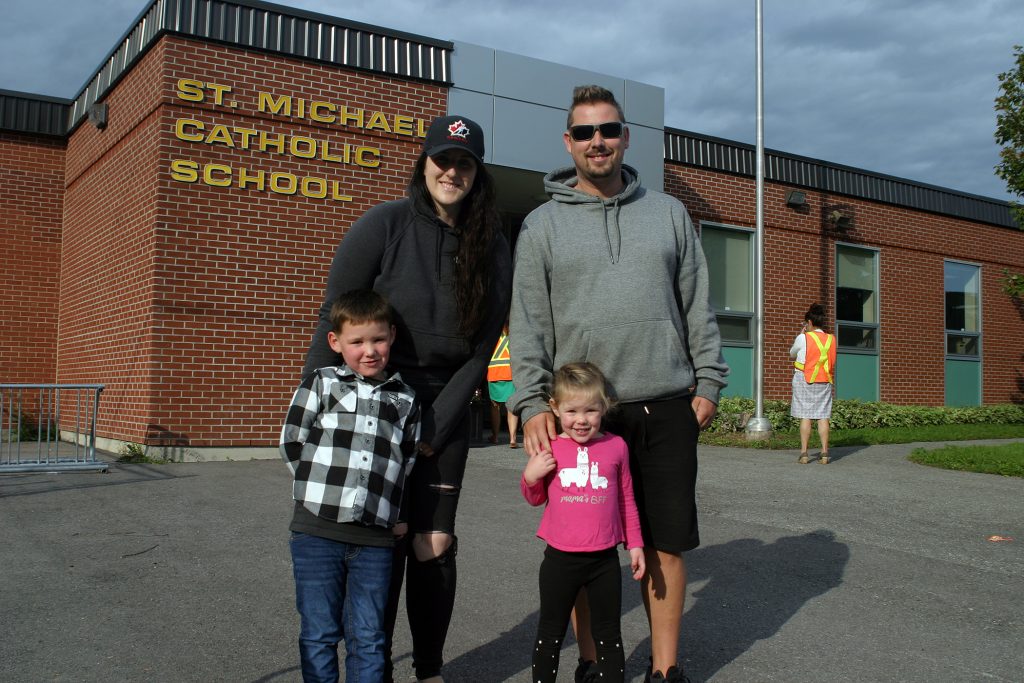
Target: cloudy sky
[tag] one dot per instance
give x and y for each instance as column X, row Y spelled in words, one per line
column 902, row 87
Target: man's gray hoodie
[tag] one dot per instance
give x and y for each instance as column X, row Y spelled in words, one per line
column 620, row 282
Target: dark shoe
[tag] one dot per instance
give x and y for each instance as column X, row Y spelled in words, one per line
column 674, row 675
column 824, row 459
column 581, row 671
column 803, row 459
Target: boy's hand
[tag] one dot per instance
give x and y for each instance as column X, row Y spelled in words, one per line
column 400, row 529
column 637, row 563
column 423, row 448
column 538, row 467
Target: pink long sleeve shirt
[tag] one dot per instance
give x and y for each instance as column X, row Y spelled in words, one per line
column 589, row 496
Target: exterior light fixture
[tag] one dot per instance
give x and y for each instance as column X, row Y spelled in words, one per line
column 795, row 199
column 839, row 219
column 98, row 115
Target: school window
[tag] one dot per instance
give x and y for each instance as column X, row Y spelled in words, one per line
column 963, row 309
column 857, row 299
column 729, row 253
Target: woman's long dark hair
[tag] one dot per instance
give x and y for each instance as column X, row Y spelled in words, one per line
column 477, row 226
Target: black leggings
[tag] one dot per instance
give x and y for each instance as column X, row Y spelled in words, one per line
column 562, row 575
column 433, row 493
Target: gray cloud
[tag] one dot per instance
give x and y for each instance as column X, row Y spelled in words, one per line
column 903, row 87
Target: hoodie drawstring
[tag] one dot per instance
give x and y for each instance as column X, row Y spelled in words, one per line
column 612, row 231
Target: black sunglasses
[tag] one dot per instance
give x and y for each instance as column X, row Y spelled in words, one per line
column 585, row 131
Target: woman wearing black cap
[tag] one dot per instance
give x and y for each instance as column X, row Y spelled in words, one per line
column 440, row 258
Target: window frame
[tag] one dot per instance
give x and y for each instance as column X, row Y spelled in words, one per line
column 946, row 331
column 856, row 324
column 736, row 315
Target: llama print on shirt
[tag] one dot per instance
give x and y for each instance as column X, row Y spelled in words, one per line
column 584, row 472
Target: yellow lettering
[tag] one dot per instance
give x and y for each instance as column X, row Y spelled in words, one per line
column 304, row 148
column 325, row 152
column 189, row 90
column 220, row 135
column 288, row 187
column 403, row 125
column 179, row 130
column 336, row 192
column 421, row 128
column 314, row 112
column 265, row 102
column 367, row 157
column 247, row 135
column 307, row 188
column 217, row 182
column 266, row 142
column 351, row 117
column 257, row 179
column 378, row 122
column 218, row 92
column 184, row 171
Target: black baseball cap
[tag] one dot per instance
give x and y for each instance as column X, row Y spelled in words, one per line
column 455, row 132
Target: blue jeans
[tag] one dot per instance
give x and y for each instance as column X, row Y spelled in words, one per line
column 340, row 592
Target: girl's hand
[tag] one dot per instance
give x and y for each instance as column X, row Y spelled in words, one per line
column 538, row 467
column 637, row 563
column 400, row 529
column 424, row 449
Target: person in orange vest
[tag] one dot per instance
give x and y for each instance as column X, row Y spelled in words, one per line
column 814, row 360
column 500, row 388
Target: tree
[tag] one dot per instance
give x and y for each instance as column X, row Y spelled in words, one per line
column 1010, row 131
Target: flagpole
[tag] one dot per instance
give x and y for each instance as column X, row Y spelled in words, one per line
column 759, row 427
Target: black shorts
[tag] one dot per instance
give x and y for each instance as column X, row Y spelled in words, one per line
column 662, row 440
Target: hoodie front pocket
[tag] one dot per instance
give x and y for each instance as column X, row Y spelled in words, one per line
column 643, row 359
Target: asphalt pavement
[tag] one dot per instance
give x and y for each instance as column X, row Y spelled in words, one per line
column 871, row 568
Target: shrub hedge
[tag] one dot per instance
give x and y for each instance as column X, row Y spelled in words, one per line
column 734, row 412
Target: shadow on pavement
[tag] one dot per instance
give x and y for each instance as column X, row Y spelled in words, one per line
column 35, row 483
column 752, row 589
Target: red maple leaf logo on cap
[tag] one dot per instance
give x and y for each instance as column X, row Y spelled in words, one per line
column 459, row 130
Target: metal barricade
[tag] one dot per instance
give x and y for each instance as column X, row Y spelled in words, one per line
column 49, row 427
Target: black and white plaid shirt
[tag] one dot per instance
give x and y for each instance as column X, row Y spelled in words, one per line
column 350, row 444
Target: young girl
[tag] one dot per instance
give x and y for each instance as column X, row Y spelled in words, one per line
column 586, row 485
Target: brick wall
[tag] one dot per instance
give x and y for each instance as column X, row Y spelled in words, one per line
column 800, row 269
column 209, row 294
column 31, row 204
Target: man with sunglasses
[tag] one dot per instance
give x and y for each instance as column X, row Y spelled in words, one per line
column 611, row 272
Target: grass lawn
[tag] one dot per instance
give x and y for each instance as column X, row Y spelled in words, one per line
column 870, row 437
column 1005, row 459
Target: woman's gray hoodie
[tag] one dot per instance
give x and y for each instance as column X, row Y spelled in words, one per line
column 619, row 282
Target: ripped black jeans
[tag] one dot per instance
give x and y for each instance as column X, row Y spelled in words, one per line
column 433, row 497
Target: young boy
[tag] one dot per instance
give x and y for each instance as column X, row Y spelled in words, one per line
column 349, row 440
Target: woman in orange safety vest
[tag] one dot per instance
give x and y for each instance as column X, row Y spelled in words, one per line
column 500, row 388
column 814, row 360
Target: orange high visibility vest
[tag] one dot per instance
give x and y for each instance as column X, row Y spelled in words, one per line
column 819, row 358
column 500, row 367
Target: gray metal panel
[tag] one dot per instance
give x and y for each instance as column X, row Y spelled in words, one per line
column 528, row 136
column 645, row 155
column 473, row 67
column 25, row 113
column 718, row 154
column 533, row 80
column 478, row 107
column 644, row 104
